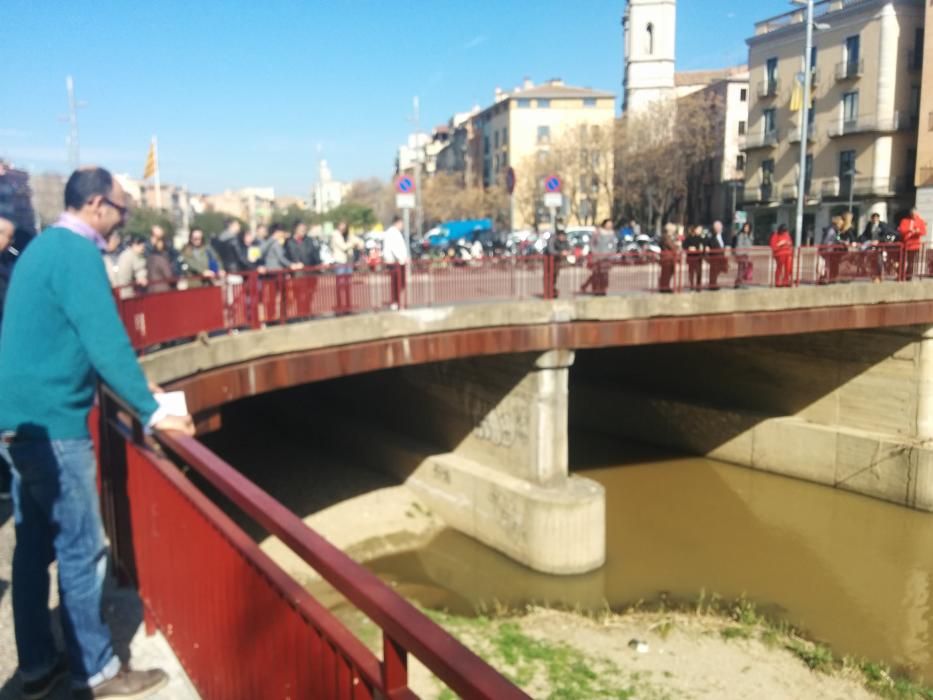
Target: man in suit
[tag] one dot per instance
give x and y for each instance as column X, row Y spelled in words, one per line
column 716, row 253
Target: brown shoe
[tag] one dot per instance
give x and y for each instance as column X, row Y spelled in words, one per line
column 131, row 685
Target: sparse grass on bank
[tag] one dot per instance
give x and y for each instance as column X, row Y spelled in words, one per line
column 553, row 670
column 561, row 671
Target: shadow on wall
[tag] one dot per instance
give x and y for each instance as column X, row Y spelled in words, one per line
column 699, row 396
column 316, row 445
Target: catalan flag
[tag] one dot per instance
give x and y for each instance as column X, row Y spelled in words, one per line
column 796, row 95
column 152, row 162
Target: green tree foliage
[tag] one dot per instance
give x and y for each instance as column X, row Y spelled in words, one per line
column 212, row 222
column 141, row 221
column 292, row 215
column 358, row 216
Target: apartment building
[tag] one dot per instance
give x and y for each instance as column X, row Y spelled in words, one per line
column 862, row 135
column 522, row 125
column 922, row 58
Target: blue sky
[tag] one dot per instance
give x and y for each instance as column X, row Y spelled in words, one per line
column 242, row 93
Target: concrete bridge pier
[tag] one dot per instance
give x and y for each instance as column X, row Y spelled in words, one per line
column 501, row 472
column 505, row 480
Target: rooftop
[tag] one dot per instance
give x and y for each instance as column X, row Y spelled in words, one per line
column 707, row 77
column 797, row 16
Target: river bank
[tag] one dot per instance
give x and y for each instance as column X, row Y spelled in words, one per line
column 724, row 653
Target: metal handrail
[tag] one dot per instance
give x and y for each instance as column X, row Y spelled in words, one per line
column 847, row 70
column 403, row 625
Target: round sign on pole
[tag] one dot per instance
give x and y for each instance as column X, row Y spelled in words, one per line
column 404, row 184
column 510, row 180
column 552, row 184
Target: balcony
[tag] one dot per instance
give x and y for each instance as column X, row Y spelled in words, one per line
column 766, row 139
column 768, row 88
column 863, row 186
column 793, row 134
column 829, row 187
column 915, row 58
column 758, row 193
column 862, row 124
column 789, row 191
column 849, row 70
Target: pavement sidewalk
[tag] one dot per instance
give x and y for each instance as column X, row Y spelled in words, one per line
column 122, row 609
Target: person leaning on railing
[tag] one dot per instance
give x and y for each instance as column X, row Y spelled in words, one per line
column 741, row 245
column 198, row 262
column 912, row 229
column 670, row 251
column 694, row 245
column 61, row 333
column 782, row 247
column 131, row 273
column 872, row 240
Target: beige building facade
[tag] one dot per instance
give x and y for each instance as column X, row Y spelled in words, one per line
column 865, row 108
column 525, row 127
column 922, row 59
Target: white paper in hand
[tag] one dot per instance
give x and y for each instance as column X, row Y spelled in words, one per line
column 173, row 402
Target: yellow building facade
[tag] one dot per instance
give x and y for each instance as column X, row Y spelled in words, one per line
column 862, row 138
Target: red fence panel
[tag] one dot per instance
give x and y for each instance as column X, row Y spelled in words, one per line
column 847, row 263
column 160, row 317
column 241, row 627
column 443, row 281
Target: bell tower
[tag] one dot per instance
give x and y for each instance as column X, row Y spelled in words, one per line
column 649, row 29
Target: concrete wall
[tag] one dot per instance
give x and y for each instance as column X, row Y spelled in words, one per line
column 484, row 442
column 847, row 409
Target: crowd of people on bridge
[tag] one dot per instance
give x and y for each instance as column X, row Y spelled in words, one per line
column 710, row 253
column 135, row 264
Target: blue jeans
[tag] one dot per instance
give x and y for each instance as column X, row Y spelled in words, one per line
column 57, row 515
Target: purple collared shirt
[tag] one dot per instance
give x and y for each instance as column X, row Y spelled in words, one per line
column 82, row 228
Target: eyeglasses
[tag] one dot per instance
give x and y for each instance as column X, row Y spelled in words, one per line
column 123, row 211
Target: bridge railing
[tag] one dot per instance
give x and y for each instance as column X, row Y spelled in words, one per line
column 185, row 309
column 239, row 624
column 846, row 263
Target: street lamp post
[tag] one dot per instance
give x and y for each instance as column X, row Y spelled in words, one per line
column 804, row 125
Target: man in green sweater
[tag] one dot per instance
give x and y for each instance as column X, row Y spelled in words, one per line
column 61, row 334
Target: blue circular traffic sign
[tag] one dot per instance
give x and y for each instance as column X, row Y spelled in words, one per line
column 552, row 184
column 404, row 185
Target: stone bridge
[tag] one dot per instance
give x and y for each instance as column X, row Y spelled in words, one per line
column 833, row 384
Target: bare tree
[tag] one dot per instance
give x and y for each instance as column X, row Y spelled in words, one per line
column 444, row 198
column 376, row 194
column 663, row 154
column 582, row 155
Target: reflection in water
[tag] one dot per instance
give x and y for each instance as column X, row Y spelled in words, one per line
column 852, row 571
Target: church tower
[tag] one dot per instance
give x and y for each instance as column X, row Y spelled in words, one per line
column 649, row 30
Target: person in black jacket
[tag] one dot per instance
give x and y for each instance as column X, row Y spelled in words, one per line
column 693, row 247
column 301, row 247
column 557, row 247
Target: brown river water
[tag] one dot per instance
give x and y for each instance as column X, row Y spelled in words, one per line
column 853, row 572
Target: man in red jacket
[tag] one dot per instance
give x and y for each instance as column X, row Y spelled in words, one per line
column 912, row 229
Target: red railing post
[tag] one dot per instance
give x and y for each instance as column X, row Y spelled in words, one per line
column 394, row 666
column 285, row 278
column 251, row 300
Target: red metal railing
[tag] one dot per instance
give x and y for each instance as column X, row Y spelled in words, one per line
column 252, row 300
column 847, row 263
column 241, row 626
